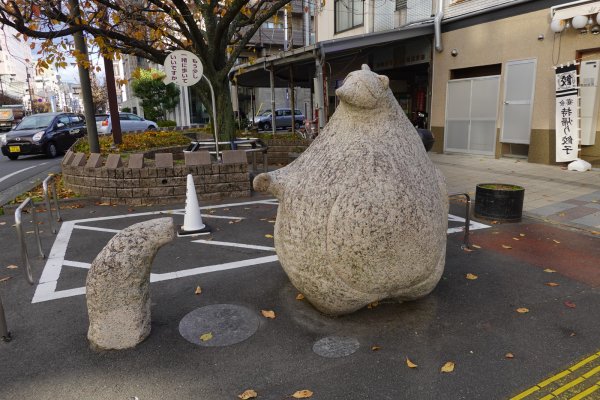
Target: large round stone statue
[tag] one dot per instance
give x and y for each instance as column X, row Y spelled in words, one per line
column 363, row 212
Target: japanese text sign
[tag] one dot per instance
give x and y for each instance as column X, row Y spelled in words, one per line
column 183, row 68
column 567, row 114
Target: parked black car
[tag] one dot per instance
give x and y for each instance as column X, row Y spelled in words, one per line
column 47, row 133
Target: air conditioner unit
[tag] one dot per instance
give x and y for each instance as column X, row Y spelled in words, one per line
column 589, row 74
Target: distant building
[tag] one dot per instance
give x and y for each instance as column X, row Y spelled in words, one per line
column 16, row 67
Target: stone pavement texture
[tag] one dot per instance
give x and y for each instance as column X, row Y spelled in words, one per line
column 552, row 193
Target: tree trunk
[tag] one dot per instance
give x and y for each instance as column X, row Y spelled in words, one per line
column 225, row 118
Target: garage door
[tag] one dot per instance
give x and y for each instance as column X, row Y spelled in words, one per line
column 471, row 114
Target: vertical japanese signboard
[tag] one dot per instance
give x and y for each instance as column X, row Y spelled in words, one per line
column 567, row 114
column 183, row 68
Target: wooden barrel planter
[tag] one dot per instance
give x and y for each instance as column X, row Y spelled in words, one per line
column 499, row 201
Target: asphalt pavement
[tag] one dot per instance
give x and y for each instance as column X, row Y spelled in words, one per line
column 511, row 315
column 23, row 174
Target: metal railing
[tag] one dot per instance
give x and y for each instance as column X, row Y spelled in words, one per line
column 45, row 184
column 250, row 145
column 4, row 333
column 465, row 244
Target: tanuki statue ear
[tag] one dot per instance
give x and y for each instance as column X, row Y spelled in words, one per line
column 385, row 81
column 365, row 67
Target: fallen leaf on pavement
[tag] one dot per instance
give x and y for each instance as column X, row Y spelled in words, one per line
column 549, row 270
column 573, row 334
column 12, row 267
column 198, row 290
column 505, row 246
column 410, row 363
column 522, row 234
column 248, row 394
column 2, row 223
column 262, row 219
column 373, row 304
column 226, row 209
column 268, row 313
column 570, row 304
column 375, row 348
column 299, row 296
column 206, row 337
column 471, row 276
column 475, row 246
column 595, row 233
column 551, row 284
column 522, row 310
column 555, row 241
column 467, row 250
column 448, row 367
column 269, row 236
column 4, row 279
column 302, row 394
column 517, row 239
column 509, row 355
column 271, row 221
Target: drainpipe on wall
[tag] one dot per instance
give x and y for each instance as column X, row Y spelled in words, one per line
column 437, row 25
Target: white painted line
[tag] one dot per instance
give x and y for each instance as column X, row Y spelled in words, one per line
column 472, row 226
column 220, row 216
column 57, row 253
column 19, row 171
column 226, row 266
column 243, row 246
column 77, row 264
column 95, row 228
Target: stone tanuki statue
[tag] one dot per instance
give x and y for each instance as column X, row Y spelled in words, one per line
column 363, row 212
column 117, row 286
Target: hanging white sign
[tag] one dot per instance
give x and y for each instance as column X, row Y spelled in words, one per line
column 183, row 68
column 567, row 114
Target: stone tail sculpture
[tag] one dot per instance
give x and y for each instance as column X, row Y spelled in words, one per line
column 117, row 287
column 363, row 212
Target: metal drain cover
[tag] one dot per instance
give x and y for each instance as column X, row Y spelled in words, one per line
column 336, row 346
column 219, row 325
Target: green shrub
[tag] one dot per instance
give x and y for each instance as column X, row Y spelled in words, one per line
column 126, row 109
column 137, row 142
column 166, row 123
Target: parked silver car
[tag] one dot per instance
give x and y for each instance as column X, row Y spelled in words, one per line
column 283, row 119
column 129, row 122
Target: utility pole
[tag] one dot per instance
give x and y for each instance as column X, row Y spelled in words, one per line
column 86, row 86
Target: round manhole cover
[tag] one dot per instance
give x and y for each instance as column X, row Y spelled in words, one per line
column 336, row 346
column 218, row 325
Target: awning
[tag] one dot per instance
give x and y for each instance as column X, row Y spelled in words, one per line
column 301, row 61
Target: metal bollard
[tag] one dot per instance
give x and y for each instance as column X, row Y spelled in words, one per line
column 50, row 179
column 465, row 244
column 21, row 237
column 4, row 333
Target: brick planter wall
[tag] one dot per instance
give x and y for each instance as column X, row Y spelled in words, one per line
column 280, row 149
column 153, row 185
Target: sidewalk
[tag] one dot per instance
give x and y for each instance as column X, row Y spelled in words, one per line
column 551, row 193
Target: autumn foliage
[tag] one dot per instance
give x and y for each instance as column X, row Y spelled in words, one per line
column 216, row 31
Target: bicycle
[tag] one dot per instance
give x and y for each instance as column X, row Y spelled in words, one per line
column 309, row 130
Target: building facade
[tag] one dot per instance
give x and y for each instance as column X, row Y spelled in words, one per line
column 494, row 81
column 16, row 67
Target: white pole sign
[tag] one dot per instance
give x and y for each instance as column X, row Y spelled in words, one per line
column 183, row 68
column 567, row 114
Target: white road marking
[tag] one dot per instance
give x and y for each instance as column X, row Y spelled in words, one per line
column 77, row 264
column 19, row 171
column 46, row 288
column 97, row 229
column 243, row 246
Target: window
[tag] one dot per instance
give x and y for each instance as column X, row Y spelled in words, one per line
column 64, row 120
column 401, row 5
column 348, row 14
column 133, row 117
column 273, row 25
